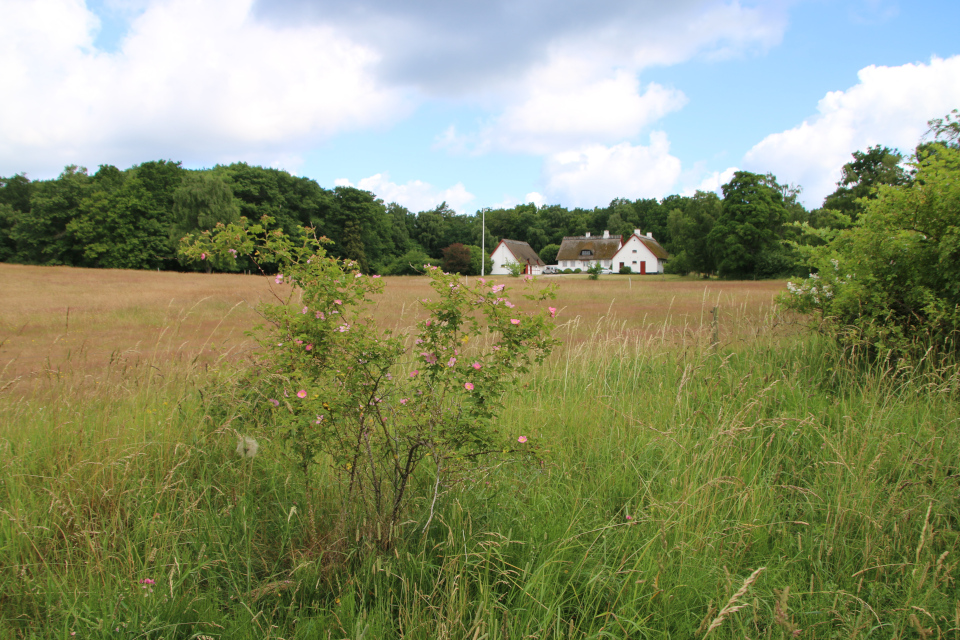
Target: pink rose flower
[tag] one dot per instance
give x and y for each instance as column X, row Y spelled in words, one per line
column 522, row 439
column 468, row 386
column 477, row 366
column 302, row 394
column 514, row 321
column 553, row 311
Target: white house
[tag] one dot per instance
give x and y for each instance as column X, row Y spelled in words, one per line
column 580, row 252
column 517, row 252
column 641, row 253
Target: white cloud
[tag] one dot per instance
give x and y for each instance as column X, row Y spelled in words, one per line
column 563, row 110
column 191, row 79
column 597, row 174
column 415, row 195
column 583, row 88
column 713, row 182
column 889, row 106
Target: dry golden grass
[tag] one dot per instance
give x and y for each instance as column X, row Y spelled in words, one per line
column 55, row 319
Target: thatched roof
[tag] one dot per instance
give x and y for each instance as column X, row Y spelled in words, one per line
column 573, row 248
column 655, row 248
column 522, row 252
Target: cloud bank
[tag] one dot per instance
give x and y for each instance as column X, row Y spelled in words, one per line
column 889, row 106
column 191, row 80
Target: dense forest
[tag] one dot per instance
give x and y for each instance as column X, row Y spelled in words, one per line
column 136, row 218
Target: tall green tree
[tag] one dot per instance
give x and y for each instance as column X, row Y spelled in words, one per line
column 201, row 201
column 748, row 227
column 40, row 234
column 119, row 224
column 876, row 166
column 690, row 229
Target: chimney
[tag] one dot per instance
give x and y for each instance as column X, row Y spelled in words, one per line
column 606, row 234
column 636, row 232
column 588, row 234
column 650, row 234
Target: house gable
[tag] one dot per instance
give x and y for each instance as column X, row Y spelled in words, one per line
column 515, row 251
column 642, row 254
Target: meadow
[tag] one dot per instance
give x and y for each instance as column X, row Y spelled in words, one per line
column 743, row 479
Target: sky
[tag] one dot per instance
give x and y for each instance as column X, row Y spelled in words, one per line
column 478, row 103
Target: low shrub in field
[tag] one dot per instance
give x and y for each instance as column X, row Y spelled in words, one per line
column 625, row 270
column 374, row 408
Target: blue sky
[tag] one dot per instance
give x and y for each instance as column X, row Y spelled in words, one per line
column 480, row 103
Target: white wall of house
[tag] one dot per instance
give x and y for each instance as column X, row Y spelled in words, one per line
column 638, row 257
column 500, row 257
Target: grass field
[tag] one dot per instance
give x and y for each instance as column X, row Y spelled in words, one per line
column 765, row 487
column 59, row 319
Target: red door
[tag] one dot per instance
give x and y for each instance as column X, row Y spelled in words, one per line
column 621, row 266
column 643, row 267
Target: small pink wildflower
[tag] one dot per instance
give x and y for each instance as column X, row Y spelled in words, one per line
column 233, row 251
column 299, row 341
column 147, row 581
column 358, row 275
column 338, row 302
column 274, row 402
column 629, row 518
column 203, row 256
column 477, row 366
column 451, row 362
column 418, row 341
column 468, row 386
column 304, row 310
column 514, row 321
column 404, row 401
column 376, row 276
column 509, row 304
column 343, row 328
column 522, row 439
column 414, row 373
column 497, row 288
column 279, row 278
column 319, row 419
column 309, row 347
column 553, row 311
column 302, row 394
column 319, row 315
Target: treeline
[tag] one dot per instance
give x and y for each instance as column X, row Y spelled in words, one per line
column 135, row 219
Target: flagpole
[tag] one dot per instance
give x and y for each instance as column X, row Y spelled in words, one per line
column 483, row 238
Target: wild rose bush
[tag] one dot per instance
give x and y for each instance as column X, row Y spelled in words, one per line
column 891, row 282
column 385, row 412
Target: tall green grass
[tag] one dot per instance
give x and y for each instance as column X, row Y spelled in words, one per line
column 668, row 472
